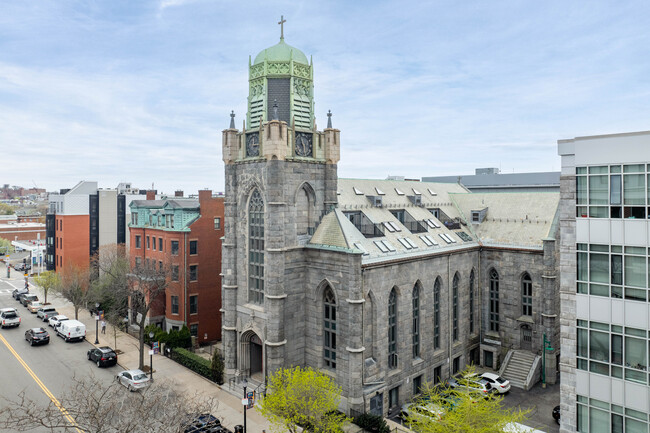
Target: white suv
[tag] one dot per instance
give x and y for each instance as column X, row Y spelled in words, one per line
column 9, row 318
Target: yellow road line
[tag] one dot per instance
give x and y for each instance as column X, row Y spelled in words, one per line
column 47, row 392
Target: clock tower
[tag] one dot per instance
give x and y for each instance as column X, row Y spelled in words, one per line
column 281, row 178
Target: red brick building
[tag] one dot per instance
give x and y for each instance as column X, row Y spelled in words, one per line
column 183, row 236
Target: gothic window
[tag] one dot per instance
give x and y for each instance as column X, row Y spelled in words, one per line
column 256, row 249
column 392, row 330
column 454, row 289
column 436, row 314
column 494, row 300
column 471, row 302
column 416, row 322
column 526, row 295
column 304, row 209
column 329, row 325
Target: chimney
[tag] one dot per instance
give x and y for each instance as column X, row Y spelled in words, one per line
column 178, row 193
column 151, row 194
column 205, row 194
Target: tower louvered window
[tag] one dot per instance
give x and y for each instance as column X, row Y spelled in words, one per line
column 256, row 249
column 329, row 328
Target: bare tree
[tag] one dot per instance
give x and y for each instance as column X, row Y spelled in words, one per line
column 94, row 406
column 73, row 286
column 142, row 284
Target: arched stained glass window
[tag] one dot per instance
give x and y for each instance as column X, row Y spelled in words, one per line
column 494, row 300
column 329, row 328
column 526, row 295
column 392, row 330
column 256, row 248
column 436, row 314
column 416, row 322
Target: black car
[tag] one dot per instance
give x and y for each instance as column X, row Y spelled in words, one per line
column 37, row 336
column 556, row 413
column 204, row 422
column 102, row 356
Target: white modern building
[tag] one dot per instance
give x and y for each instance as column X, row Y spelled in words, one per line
column 604, row 264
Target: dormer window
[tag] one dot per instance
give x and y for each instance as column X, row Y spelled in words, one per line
column 376, row 200
column 416, row 199
column 478, row 215
column 357, row 191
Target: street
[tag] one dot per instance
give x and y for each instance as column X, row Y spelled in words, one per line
column 40, row 370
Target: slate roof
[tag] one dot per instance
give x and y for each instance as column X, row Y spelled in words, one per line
column 505, row 223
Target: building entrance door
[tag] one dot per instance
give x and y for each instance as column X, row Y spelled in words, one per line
column 377, row 404
column 526, row 337
column 255, row 354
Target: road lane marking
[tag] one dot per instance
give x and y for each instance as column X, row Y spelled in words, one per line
column 41, row 385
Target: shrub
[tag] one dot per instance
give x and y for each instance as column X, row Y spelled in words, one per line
column 217, row 366
column 372, row 423
column 194, row 362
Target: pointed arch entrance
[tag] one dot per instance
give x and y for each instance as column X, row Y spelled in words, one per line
column 251, row 361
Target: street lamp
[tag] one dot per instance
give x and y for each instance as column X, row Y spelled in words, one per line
column 546, row 345
column 96, row 322
column 244, row 384
column 151, row 334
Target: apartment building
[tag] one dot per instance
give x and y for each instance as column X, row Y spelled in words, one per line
column 182, row 237
column 82, row 219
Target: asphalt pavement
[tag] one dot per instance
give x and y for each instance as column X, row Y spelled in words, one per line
column 230, row 409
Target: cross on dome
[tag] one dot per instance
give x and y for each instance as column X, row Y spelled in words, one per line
column 281, row 22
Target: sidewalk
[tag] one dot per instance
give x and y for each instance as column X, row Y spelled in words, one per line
column 230, row 409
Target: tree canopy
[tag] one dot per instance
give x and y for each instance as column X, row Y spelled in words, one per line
column 46, row 281
column 461, row 410
column 306, row 398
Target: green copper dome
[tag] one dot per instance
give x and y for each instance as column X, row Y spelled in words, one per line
column 281, row 52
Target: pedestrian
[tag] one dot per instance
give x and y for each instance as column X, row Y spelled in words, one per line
column 103, row 326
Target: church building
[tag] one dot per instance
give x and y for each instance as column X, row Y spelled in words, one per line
column 381, row 284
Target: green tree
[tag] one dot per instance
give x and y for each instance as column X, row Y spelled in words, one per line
column 217, row 366
column 5, row 246
column 6, row 209
column 461, row 410
column 46, row 281
column 306, row 398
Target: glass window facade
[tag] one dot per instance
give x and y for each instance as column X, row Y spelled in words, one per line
column 612, row 270
column 613, row 191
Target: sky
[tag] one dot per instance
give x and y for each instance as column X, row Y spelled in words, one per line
column 139, row 91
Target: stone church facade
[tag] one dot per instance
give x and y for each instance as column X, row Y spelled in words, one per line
column 381, row 284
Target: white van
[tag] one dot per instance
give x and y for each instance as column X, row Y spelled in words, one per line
column 71, row 330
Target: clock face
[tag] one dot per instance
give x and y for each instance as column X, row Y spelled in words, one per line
column 253, row 144
column 303, row 144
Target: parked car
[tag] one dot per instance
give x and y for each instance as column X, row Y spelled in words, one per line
column 133, row 379
column 471, row 384
column 48, row 314
column 556, row 413
column 34, row 306
column 422, row 409
column 500, row 384
column 55, row 321
column 37, row 336
column 71, row 330
column 27, row 298
column 45, row 310
column 103, row 356
column 17, row 292
column 204, row 422
column 9, row 318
